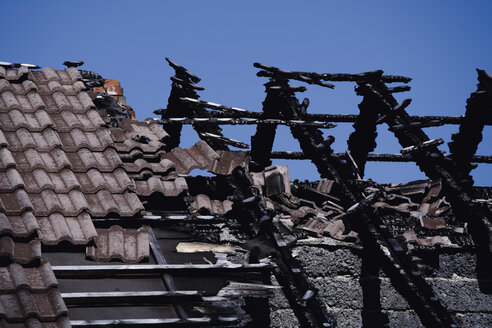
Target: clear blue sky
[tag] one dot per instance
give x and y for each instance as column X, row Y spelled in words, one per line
column 437, row 43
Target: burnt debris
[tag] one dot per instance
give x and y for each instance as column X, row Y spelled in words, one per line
column 391, row 227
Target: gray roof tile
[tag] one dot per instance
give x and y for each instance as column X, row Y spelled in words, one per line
column 199, row 156
column 18, row 252
column 203, row 204
column 155, row 185
column 22, row 304
column 61, row 322
column 130, row 246
column 55, row 228
column 15, row 276
column 13, row 74
column 20, row 226
column 228, row 161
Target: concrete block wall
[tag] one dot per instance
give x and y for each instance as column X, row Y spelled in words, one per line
column 335, row 270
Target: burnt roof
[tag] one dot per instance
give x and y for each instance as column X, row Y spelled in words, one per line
column 86, row 187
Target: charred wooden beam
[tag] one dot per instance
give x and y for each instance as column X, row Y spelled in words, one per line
column 314, row 145
column 212, row 105
column 395, row 262
column 398, row 266
column 256, row 220
column 346, row 118
column 455, row 184
column 334, row 77
column 134, row 297
column 363, row 140
column 183, row 86
column 274, row 72
column 371, row 157
column 478, row 111
column 247, row 121
column 223, row 140
column 262, row 141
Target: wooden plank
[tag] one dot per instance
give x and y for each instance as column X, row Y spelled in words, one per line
column 174, row 322
column 118, row 298
column 73, row 271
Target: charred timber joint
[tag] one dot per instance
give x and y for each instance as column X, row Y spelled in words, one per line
column 391, row 113
column 224, row 140
column 186, row 83
column 181, row 70
column 429, row 144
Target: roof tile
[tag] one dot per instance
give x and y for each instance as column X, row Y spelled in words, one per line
column 203, row 204
column 20, row 226
column 22, row 138
column 14, row 119
column 14, row 277
column 164, row 167
column 13, row 74
column 23, row 304
column 155, row 185
column 130, row 246
column 56, row 228
column 54, row 161
column 227, row 161
column 61, row 322
column 62, row 192
column 66, row 120
column 199, row 156
column 77, row 138
column 102, row 203
column 18, row 252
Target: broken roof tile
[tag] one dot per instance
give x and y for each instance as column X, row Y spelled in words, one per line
column 409, row 188
column 204, row 205
column 18, row 252
column 276, row 177
column 127, row 245
column 155, row 185
column 325, row 186
column 434, row 191
column 227, row 161
column 56, row 228
column 411, row 236
column 336, row 229
column 432, row 223
column 14, row 277
column 199, row 156
column 276, row 180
